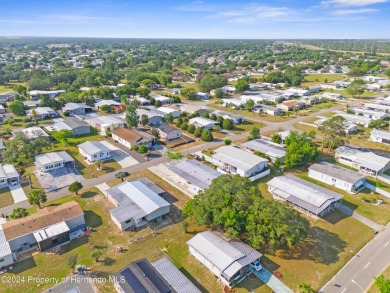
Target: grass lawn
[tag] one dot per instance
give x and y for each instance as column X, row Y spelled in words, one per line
column 4, row 89
column 247, row 126
column 190, row 85
column 361, row 138
column 379, row 214
column 306, row 128
column 374, row 288
column 250, row 114
column 316, row 79
column 18, row 123
column 366, row 94
column 326, row 105
column 6, row 198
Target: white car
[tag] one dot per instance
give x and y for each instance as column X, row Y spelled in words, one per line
column 256, row 265
column 13, row 182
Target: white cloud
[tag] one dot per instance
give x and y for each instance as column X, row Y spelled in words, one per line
column 353, row 11
column 353, row 2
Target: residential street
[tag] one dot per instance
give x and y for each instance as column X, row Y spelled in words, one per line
column 368, row 263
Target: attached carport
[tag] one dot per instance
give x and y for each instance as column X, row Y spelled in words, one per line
column 52, row 236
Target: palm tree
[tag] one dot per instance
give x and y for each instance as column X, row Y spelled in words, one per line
column 37, row 197
column 99, row 164
column 34, row 114
column 28, row 175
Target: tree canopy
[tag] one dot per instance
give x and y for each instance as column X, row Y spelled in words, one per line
column 334, row 132
column 299, row 149
column 212, row 81
column 233, row 203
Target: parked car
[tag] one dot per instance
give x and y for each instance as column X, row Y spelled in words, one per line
column 120, row 174
column 256, row 265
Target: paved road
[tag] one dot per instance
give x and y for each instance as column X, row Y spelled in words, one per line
column 368, row 263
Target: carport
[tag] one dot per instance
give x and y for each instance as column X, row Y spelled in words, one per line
column 52, row 236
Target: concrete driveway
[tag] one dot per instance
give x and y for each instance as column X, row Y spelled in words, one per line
column 271, row 281
column 120, row 156
column 59, row 178
column 17, row 193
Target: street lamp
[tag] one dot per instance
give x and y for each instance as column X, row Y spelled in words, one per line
column 353, row 281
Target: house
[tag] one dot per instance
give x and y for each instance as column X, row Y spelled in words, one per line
column 349, row 127
column 53, row 161
column 136, row 205
column 236, row 118
column 310, row 100
column 374, row 115
column 380, row 136
column 192, row 109
column 162, row 99
column 8, row 175
column 76, row 108
column 228, row 89
column 154, row 118
column 106, row 123
column 380, row 107
column 333, row 96
column 175, row 91
column 272, row 150
column 360, row 120
column 8, row 96
column 167, row 132
column 76, row 126
column 42, row 113
column 34, row 132
column 202, row 96
column 304, row 195
column 237, row 161
column 364, row 161
column 270, row 110
column 160, row 276
column 2, row 146
column 167, row 110
column 109, row 103
column 32, row 104
column 49, row 227
column 232, row 102
column 337, row 176
column 2, row 109
column 130, row 137
column 290, row 105
column 6, row 255
column 76, row 283
column 2, row 119
column 203, row 123
column 34, row 95
column 93, row 151
column 228, row 260
column 197, row 175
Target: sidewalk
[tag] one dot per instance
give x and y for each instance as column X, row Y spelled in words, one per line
column 346, row 210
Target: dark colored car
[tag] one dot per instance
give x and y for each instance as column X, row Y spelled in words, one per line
column 120, row 174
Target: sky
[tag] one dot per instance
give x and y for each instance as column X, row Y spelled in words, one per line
column 198, row 19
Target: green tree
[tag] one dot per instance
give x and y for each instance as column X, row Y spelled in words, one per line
column 105, row 108
column 276, row 138
column 158, row 104
column 96, row 254
column 75, row 187
column 249, row 105
column 305, row 288
column 334, row 133
column 37, row 197
column 18, row 213
column 299, row 149
column 355, row 89
column 184, row 126
column 383, row 284
column 144, row 120
column 242, row 85
column 17, row 108
column 72, row 260
column 212, row 81
column 254, row 133
column 198, row 132
column 206, row 135
column 213, row 117
column 169, row 118
column 131, row 114
column 63, row 136
column 191, row 128
column 173, row 155
column 227, row 124
column 143, row 149
column 219, row 93
column 9, row 121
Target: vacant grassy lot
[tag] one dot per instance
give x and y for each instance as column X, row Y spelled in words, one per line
column 251, row 114
column 361, row 138
column 366, row 94
column 316, row 79
column 247, row 126
column 306, row 128
column 5, row 197
column 19, row 124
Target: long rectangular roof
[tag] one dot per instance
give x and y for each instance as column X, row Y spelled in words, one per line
column 93, row 147
column 195, row 172
column 45, row 217
column 365, row 158
column 337, row 172
column 305, row 194
column 228, row 258
column 174, row 276
column 8, row 171
column 237, row 157
column 202, row 121
column 135, row 200
column 54, row 157
column 381, row 133
column 266, row 147
column 74, row 106
column 5, row 249
column 51, row 231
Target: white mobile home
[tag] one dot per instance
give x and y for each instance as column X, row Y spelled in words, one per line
column 93, row 151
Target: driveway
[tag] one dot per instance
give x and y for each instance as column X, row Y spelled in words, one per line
column 271, row 281
column 59, row 178
column 120, row 156
column 17, row 193
column 103, row 187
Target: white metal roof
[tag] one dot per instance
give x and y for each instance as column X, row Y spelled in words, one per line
column 237, row 157
column 51, row 231
column 5, row 249
column 266, row 147
column 336, row 171
column 380, row 133
column 202, row 121
column 93, row 147
column 55, row 157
